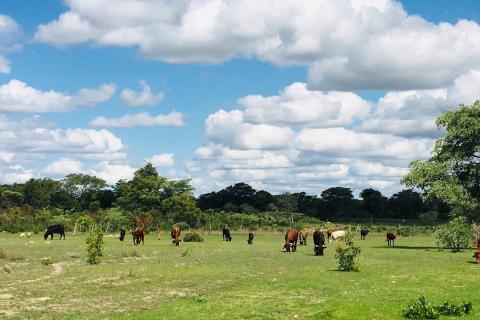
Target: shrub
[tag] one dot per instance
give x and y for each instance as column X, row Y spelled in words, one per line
column 347, row 255
column 422, row 309
column 455, row 235
column 46, row 261
column 192, row 237
column 94, row 245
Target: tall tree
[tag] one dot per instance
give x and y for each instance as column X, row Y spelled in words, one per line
column 452, row 174
column 38, row 193
column 373, row 202
column 338, row 200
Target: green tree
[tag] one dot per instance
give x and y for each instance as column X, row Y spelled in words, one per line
column 39, row 192
column 144, row 192
column 373, row 202
column 338, row 200
column 452, row 174
column 85, row 189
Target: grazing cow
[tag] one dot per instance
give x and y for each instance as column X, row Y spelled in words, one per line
column 303, row 237
column 160, row 234
column 226, row 235
column 391, row 238
column 337, row 235
column 318, row 242
column 122, row 234
column 175, row 233
column 250, row 238
column 291, row 238
column 329, row 234
column 138, row 235
column 363, row 233
column 56, row 228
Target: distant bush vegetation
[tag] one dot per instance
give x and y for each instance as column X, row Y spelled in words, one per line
column 192, row 237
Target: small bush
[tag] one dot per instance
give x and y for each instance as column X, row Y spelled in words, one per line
column 199, row 298
column 455, row 235
column 94, row 245
column 347, row 255
column 422, row 309
column 192, row 237
column 46, row 261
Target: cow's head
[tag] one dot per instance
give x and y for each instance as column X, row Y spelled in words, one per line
column 45, row 235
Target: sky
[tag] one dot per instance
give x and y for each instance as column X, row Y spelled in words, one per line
column 286, row 95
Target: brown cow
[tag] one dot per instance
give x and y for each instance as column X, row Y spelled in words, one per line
column 303, row 237
column 391, row 238
column 291, row 238
column 138, row 235
column 176, row 235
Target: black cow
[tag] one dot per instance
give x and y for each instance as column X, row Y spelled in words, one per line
column 226, row 235
column 122, row 234
column 250, row 238
column 56, row 228
column 318, row 243
column 363, row 233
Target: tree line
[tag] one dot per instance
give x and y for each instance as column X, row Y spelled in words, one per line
column 449, row 183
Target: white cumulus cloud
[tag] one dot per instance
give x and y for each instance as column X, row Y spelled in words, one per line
column 144, row 98
column 143, row 119
column 346, row 44
column 17, row 96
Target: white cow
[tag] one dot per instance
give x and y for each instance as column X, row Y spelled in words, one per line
column 337, row 234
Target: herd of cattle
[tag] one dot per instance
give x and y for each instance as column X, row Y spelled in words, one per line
column 291, row 237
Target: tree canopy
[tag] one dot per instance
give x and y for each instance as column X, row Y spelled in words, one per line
column 452, row 174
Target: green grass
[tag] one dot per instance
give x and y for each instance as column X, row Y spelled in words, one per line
column 220, row 280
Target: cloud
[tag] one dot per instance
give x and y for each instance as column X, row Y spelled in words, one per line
column 413, row 113
column 144, row 98
column 62, row 167
column 346, row 44
column 296, row 105
column 15, row 174
column 36, row 138
column 230, row 128
column 162, row 160
column 9, row 36
column 112, row 172
column 144, row 119
column 16, row 96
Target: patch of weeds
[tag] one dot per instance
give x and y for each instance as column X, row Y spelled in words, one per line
column 422, row 309
column 46, row 261
column 199, row 298
column 192, row 237
column 130, row 253
column 186, row 252
column 325, row 314
column 12, row 256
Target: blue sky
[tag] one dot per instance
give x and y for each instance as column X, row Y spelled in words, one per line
column 347, row 101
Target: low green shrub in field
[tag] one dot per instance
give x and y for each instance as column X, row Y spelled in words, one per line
column 192, row 237
column 94, row 245
column 347, row 255
column 199, row 298
column 422, row 309
column 455, row 235
column 46, row 261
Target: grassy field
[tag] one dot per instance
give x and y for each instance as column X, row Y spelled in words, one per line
column 219, row 280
